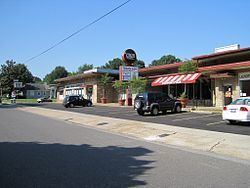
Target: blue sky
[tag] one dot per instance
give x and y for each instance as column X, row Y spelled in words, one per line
column 184, row 28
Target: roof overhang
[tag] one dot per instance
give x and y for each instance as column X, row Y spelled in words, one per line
column 230, row 66
column 160, row 67
column 222, row 75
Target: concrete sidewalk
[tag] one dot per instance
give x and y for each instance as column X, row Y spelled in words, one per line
column 233, row 145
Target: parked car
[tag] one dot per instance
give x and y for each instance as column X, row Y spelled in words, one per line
column 45, row 99
column 76, row 100
column 154, row 102
column 237, row 111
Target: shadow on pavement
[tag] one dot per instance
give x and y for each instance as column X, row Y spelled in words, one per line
column 29, row 164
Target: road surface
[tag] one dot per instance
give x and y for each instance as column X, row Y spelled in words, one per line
column 40, row 152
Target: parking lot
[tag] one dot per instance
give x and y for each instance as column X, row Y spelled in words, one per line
column 203, row 121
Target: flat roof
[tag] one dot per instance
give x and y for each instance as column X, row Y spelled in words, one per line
column 221, row 53
column 89, row 73
column 159, row 67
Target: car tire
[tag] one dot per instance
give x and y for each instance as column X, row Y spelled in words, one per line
column 71, row 105
column 177, row 109
column 89, row 104
column 155, row 111
column 231, row 122
column 140, row 112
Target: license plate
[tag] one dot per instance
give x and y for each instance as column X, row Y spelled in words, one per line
column 232, row 111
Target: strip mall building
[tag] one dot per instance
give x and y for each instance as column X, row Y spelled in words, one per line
column 220, row 78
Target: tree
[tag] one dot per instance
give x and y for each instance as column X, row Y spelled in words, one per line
column 37, row 79
column 137, row 85
column 166, row 59
column 11, row 71
column 113, row 64
column 58, row 72
column 84, row 67
column 187, row 67
column 139, row 63
column 105, row 79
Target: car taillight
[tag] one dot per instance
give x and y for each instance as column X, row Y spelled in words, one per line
column 224, row 108
column 244, row 109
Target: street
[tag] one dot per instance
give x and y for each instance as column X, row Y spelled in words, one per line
column 212, row 122
column 43, row 152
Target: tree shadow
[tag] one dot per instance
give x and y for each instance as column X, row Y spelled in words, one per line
column 30, row 164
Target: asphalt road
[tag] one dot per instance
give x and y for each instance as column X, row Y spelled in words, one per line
column 40, row 152
column 212, row 122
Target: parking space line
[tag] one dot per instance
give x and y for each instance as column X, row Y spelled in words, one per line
column 215, row 123
column 196, row 117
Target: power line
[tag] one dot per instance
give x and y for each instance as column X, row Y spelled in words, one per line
column 78, row 31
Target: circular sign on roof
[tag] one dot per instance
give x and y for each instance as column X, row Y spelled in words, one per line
column 129, row 57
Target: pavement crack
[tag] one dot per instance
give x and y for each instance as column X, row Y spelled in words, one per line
column 215, row 145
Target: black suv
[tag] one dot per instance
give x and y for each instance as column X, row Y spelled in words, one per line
column 154, row 102
column 76, row 100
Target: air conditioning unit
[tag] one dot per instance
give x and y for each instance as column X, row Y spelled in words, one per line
column 227, row 48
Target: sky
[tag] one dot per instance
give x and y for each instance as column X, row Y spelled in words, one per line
column 184, row 28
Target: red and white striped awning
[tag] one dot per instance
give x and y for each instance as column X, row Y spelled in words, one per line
column 176, row 79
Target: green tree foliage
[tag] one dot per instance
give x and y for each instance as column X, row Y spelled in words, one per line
column 188, row 67
column 117, row 62
column 137, row 85
column 139, row 63
column 120, row 86
column 105, row 79
column 72, row 73
column 84, row 67
column 113, row 64
column 166, row 59
column 37, row 79
column 11, row 71
column 58, row 72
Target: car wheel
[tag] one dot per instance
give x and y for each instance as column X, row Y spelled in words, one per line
column 71, row 105
column 178, row 109
column 231, row 122
column 89, row 104
column 154, row 111
column 140, row 112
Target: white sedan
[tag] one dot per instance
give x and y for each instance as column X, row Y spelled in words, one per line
column 237, row 111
